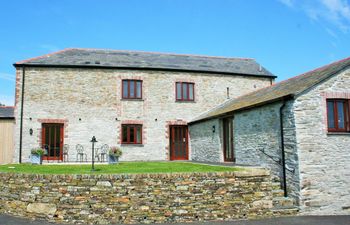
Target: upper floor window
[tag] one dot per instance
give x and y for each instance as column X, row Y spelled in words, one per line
column 131, row 134
column 184, row 91
column 338, row 115
column 132, row 89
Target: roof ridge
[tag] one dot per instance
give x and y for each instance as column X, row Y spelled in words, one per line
column 292, row 78
column 163, row 53
column 7, row 106
column 314, row 70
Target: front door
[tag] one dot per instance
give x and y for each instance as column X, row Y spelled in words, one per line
column 178, row 143
column 228, row 139
column 52, row 141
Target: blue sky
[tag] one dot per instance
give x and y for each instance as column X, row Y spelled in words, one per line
column 288, row 37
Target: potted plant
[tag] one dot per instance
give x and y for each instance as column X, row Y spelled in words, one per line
column 114, row 154
column 37, row 156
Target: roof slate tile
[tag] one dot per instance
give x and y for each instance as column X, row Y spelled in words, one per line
column 148, row 60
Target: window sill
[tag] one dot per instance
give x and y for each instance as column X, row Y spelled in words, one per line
column 185, row 101
column 132, row 99
column 338, row 133
column 131, row 145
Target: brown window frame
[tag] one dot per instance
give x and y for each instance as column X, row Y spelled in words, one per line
column 128, row 128
column 346, row 104
column 182, row 99
column 135, row 89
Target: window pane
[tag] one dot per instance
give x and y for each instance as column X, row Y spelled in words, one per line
column 178, row 90
column 184, row 91
column 125, row 134
column 190, row 91
column 138, row 134
column 341, row 116
column 132, row 134
column 125, row 88
column 132, row 89
column 138, row 89
column 330, row 114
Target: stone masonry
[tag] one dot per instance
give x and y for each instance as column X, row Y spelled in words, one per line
column 207, row 144
column 89, row 103
column 254, row 131
column 323, row 157
column 317, row 161
column 257, row 131
column 144, row 198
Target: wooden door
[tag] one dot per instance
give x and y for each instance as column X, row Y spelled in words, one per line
column 6, row 140
column 52, row 141
column 228, row 140
column 178, row 143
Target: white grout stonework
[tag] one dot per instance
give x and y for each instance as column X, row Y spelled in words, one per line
column 89, row 102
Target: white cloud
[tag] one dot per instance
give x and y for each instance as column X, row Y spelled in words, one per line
column 7, row 100
column 334, row 12
column 7, row 76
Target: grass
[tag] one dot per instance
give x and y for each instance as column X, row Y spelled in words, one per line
column 123, row 167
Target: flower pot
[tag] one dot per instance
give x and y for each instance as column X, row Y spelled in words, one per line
column 113, row 159
column 36, row 159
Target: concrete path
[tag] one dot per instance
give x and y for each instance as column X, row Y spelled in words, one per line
column 302, row 220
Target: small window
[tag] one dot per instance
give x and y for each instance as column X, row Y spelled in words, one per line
column 131, row 134
column 132, row 89
column 184, row 91
column 338, row 115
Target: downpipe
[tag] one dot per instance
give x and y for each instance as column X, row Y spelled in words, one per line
column 282, row 151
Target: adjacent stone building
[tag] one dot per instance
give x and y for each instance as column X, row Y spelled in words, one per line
column 7, row 125
column 137, row 100
column 299, row 128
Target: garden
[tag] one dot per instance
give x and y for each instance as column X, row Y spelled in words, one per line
column 120, row 168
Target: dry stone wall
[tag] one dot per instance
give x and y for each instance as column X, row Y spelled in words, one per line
column 146, row 198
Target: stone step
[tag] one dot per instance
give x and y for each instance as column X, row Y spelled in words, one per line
column 283, row 202
column 277, row 193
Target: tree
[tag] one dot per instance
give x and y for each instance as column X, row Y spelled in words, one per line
column 2, row 104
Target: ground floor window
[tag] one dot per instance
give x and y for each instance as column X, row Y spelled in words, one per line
column 131, row 134
column 338, row 115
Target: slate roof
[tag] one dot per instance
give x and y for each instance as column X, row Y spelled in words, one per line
column 76, row 57
column 278, row 91
column 7, row 112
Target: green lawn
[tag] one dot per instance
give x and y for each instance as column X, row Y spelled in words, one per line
column 123, row 167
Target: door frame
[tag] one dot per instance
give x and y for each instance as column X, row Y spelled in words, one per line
column 43, row 139
column 225, row 122
column 172, row 149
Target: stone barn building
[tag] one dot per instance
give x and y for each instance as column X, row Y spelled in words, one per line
column 300, row 128
column 137, row 100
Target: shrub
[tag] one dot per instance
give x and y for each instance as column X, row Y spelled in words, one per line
column 38, row 151
column 115, row 151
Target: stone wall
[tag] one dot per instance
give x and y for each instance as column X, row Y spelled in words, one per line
column 206, row 144
column 258, row 130
column 89, row 102
column 146, row 198
column 324, row 157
